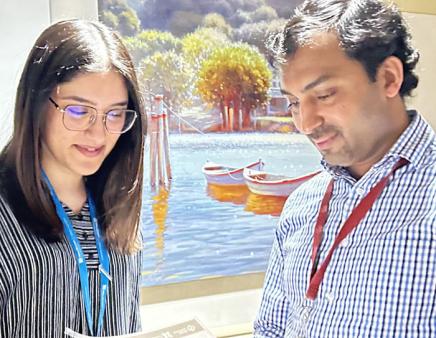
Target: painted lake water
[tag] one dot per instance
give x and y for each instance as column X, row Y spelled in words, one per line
column 194, row 231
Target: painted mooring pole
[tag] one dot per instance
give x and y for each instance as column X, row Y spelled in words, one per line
column 160, row 166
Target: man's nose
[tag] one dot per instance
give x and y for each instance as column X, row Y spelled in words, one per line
column 309, row 118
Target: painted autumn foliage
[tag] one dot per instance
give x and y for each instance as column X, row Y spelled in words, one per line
column 204, row 57
column 238, row 77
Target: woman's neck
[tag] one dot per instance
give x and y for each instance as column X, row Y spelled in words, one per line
column 69, row 188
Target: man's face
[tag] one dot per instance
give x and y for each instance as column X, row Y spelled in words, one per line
column 336, row 105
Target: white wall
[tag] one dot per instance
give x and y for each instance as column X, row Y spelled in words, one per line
column 423, row 29
column 69, row 9
column 21, row 22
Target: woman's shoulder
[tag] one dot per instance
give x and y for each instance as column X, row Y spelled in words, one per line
column 10, row 227
column 8, row 222
column 5, row 208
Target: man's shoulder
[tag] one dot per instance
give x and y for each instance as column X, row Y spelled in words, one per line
column 308, row 194
column 425, row 168
column 429, row 158
column 420, row 144
column 303, row 203
column 312, row 187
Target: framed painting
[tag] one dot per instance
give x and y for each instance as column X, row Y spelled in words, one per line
column 223, row 154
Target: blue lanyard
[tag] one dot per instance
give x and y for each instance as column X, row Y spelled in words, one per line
column 80, row 257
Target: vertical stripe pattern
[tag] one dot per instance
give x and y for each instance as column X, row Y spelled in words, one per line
column 40, row 288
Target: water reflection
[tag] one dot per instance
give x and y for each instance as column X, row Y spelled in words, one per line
column 160, row 212
column 208, row 226
column 265, row 205
column 240, row 195
column 236, row 194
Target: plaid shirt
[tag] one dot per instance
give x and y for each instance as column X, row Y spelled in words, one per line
column 381, row 281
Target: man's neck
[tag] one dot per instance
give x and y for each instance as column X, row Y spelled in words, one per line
column 359, row 169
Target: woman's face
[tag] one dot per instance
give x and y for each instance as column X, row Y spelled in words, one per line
column 80, row 153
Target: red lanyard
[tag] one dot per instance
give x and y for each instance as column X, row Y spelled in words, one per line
column 353, row 220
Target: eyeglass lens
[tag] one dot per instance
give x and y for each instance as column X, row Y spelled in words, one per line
column 81, row 117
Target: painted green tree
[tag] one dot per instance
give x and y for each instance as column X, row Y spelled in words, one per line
column 197, row 46
column 118, row 15
column 236, row 76
column 148, row 42
column 168, row 74
column 217, row 21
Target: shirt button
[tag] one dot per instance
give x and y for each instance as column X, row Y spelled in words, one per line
column 330, row 297
column 344, row 243
column 360, row 191
column 305, row 315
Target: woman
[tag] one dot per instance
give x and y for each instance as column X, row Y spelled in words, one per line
column 70, row 189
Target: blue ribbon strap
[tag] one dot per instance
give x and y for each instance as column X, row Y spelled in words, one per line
column 104, row 267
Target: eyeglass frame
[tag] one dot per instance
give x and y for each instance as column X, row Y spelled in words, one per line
column 62, row 110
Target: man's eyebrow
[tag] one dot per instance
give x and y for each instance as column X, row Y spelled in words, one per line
column 316, row 82
column 285, row 92
column 309, row 86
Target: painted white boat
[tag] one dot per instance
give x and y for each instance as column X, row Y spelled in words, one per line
column 264, row 183
column 219, row 174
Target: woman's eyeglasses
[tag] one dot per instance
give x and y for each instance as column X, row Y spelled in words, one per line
column 79, row 118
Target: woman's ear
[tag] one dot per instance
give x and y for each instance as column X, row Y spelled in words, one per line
column 390, row 76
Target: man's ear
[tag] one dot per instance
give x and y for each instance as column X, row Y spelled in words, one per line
column 390, row 76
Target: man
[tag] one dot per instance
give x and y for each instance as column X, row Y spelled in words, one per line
column 355, row 248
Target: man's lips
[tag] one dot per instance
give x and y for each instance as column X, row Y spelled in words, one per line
column 324, row 142
column 89, row 151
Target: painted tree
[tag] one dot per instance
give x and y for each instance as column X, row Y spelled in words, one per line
column 109, row 19
column 256, row 34
column 217, row 21
column 284, row 8
column 187, row 14
column 167, row 73
column 184, row 22
column 236, row 76
column 148, row 42
column 118, row 15
column 128, row 23
column 197, row 46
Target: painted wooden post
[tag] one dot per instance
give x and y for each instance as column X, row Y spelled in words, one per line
column 231, row 118
column 153, row 125
column 160, row 167
column 166, row 145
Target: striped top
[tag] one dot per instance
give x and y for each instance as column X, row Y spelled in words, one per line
column 40, row 287
column 85, row 234
column 381, row 281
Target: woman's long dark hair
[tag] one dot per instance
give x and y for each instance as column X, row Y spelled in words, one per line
column 62, row 51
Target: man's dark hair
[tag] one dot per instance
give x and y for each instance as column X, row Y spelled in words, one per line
column 368, row 30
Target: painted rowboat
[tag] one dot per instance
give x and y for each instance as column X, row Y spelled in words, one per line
column 264, row 183
column 223, row 175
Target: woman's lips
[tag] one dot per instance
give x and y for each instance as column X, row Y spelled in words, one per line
column 89, row 151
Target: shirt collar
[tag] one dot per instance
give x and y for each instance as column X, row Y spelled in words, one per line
column 411, row 145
